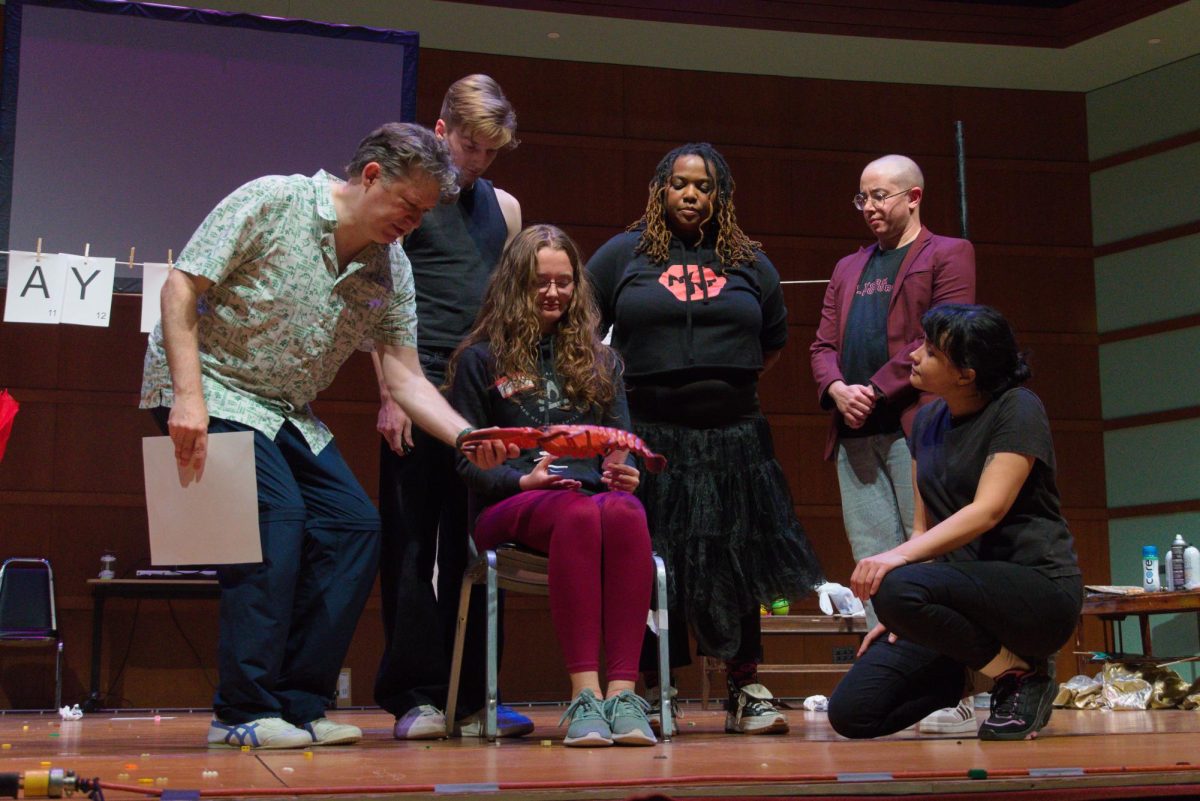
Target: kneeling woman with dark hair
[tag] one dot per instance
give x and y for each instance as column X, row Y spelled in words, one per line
column 534, row 358
column 989, row 581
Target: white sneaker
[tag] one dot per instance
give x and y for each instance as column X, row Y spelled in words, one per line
column 951, row 720
column 751, row 711
column 509, row 723
column 261, row 733
column 326, row 732
column 424, row 722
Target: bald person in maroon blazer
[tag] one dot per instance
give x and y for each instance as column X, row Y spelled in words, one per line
column 870, row 322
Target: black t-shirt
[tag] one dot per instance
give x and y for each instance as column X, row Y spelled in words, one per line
column 453, row 253
column 865, row 348
column 950, row 456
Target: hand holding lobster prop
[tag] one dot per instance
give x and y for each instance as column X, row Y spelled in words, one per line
column 578, row 441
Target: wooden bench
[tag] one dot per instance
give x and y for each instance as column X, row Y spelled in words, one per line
column 791, row 624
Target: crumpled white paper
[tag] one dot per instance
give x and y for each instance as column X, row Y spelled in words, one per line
column 71, row 712
column 816, row 703
column 832, row 596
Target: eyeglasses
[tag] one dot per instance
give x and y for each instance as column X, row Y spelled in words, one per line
column 562, row 285
column 877, row 197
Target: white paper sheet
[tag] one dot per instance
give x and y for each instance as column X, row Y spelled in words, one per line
column 213, row 521
column 154, row 275
column 88, row 296
column 35, row 288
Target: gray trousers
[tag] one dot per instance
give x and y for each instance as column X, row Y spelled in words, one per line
column 875, row 477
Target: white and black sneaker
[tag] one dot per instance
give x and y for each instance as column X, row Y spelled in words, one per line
column 750, row 710
column 654, row 698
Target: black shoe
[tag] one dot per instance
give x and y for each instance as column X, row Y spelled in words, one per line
column 1021, row 706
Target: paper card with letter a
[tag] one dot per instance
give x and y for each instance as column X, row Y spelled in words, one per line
column 88, row 296
column 36, row 286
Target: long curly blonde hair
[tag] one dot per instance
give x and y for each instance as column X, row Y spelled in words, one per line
column 509, row 321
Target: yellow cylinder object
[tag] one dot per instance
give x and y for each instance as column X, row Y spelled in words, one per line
column 763, row 611
column 36, row 783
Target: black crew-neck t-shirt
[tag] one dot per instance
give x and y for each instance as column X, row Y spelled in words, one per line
column 950, row 455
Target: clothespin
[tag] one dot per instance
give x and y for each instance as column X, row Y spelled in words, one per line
column 37, row 259
column 131, row 250
column 170, row 261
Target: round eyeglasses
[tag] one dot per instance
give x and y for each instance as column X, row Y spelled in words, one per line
column 876, row 198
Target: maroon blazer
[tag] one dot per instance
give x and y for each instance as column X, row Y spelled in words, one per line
column 936, row 270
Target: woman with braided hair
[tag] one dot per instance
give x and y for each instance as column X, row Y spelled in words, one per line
column 697, row 314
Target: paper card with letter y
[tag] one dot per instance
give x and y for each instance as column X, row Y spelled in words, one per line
column 88, row 297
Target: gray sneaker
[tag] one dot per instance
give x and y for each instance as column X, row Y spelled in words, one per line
column 626, row 714
column 589, row 726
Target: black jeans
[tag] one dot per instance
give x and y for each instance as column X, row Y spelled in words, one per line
column 949, row 616
column 423, row 504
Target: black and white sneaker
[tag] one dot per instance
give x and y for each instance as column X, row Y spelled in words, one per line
column 1021, row 706
column 654, row 698
column 750, row 710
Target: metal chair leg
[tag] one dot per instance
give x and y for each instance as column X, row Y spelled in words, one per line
column 493, row 639
column 58, row 660
column 664, row 659
column 460, row 636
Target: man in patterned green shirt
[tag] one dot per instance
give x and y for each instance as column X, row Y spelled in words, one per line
column 275, row 290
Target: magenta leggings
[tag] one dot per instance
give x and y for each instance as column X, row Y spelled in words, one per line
column 601, row 572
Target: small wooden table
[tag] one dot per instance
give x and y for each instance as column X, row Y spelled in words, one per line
column 1112, row 609
column 792, row 624
column 166, row 588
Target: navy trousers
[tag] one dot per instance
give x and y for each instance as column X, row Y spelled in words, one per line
column 287, row 622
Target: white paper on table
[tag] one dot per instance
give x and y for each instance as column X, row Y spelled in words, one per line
column 35, row 288
column 213, row 521
column 154, row 275
column 88, row 297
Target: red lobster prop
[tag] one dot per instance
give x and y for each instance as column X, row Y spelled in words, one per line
column 579, row 441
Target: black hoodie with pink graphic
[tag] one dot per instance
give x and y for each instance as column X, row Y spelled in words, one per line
column 690, row 316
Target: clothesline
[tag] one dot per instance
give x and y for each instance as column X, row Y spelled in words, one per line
column 130, row 263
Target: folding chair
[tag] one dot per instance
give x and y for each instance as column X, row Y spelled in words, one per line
column 518, row 569
column 27, row 613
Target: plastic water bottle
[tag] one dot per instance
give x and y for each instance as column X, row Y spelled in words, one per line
column 1191, row 568
column 1150, row 569
column 1175, row 565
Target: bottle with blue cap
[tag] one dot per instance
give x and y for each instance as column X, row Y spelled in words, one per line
column 1150, row 569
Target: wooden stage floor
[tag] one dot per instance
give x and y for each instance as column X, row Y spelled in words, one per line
column 1081, row 755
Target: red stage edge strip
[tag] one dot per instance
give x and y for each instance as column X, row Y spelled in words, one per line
column 727, row 778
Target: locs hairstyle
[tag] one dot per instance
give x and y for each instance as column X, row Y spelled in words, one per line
column 733, row 247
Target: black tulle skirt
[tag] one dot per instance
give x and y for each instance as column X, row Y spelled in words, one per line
column 722, row 519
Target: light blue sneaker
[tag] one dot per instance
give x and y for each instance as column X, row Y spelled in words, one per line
column 589, row 725
column 626, row 713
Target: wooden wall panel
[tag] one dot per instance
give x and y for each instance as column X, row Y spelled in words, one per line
column 70, row 486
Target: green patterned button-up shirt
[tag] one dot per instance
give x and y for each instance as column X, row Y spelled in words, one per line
column 279, row 319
